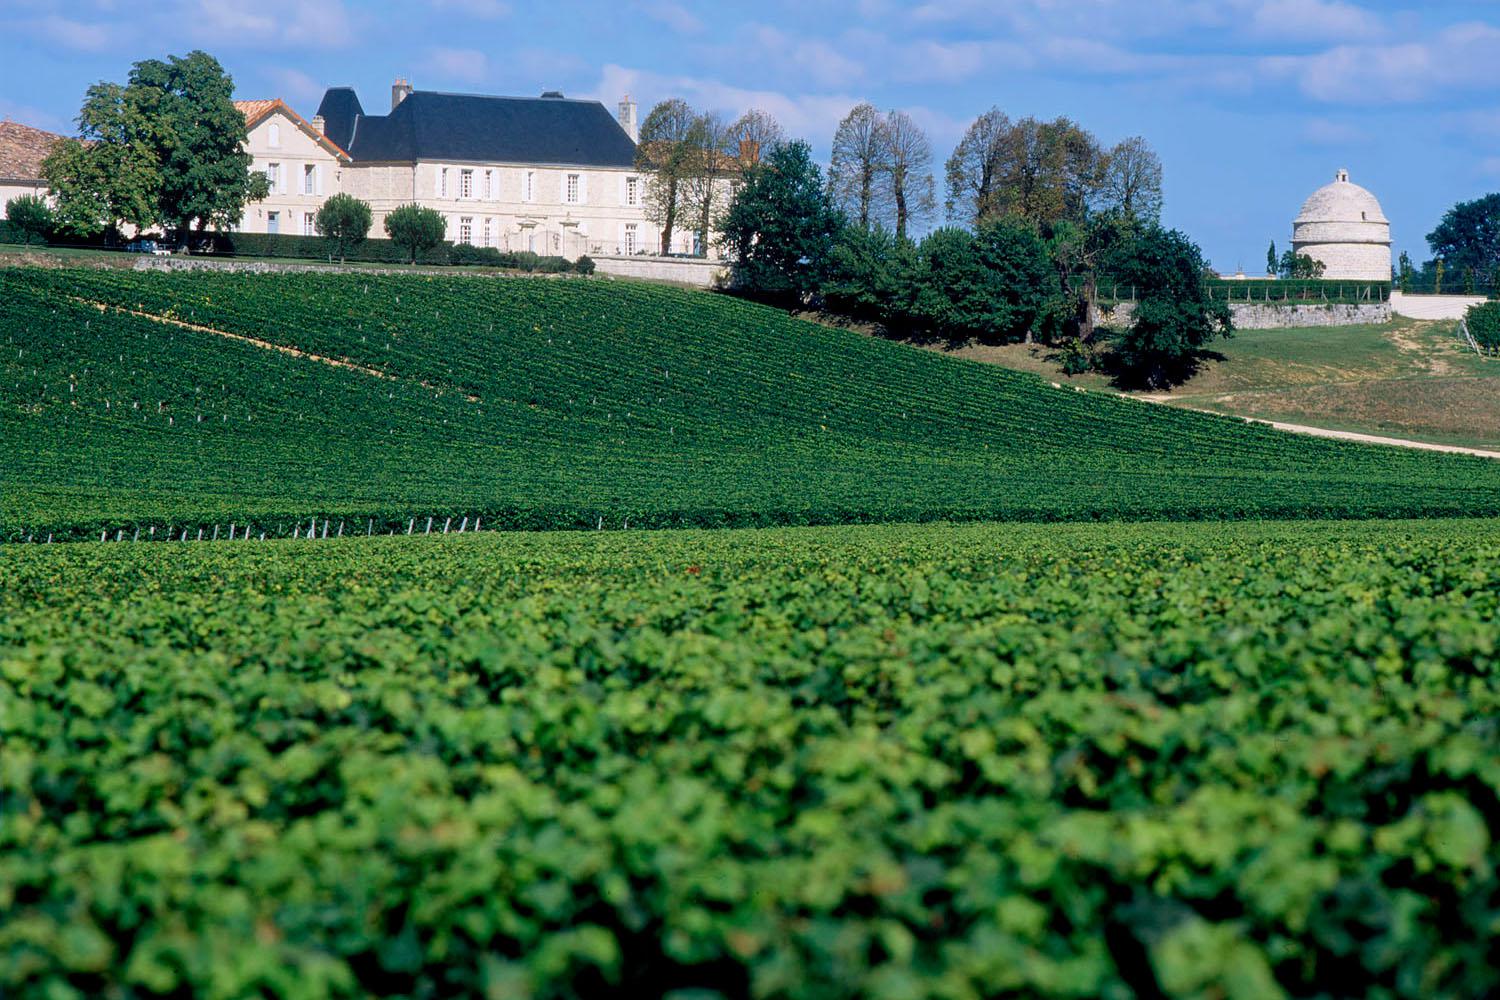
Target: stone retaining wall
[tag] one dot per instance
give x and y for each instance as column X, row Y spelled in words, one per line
column 685, row 271
column 1264, row 316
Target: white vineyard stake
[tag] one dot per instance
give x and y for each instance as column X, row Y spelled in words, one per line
column 445, row 525
column 463, row 527
column 410, row 524
column 429, row 527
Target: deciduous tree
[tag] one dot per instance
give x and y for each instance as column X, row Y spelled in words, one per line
column 860, row 158
column 991, row 284
column 972, row 170
column 111, row 175
column 1174, row 317
column 754, row 135
column 1469, row 235
column 1132, row 180
column 907, row 170
column 666, row 150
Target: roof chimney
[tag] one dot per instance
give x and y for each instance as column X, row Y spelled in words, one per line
column 400, row 91
column 319, row 124
column 626, row 116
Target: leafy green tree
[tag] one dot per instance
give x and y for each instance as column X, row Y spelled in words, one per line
column 991, row 284
column 345, row 220
column 871, row 275
column 1273, row 265
column 1043, row 172
column 415, row 228
column 1404, row 271
column 1174, row 316
column 111, row 174
column 1469, row 235
column 1437, row 279
column 166, row 149
column 199, row 139
column 781, row 227
column 1300, row 266
column 31, row 215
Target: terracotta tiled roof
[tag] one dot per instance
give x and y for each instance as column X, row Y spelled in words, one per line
column 255, row 111
column 22, row 150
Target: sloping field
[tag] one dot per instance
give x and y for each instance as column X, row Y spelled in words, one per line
column 190, row 400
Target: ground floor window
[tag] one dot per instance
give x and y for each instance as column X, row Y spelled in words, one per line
column 273, row 222
column 466, row 229
column 309, row 224
column 631, row 237
column 489, row 232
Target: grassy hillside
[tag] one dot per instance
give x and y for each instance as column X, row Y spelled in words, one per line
column 1407, row 378
column 547, row 403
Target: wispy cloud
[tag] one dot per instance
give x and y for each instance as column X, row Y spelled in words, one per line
column 465, row 65
column 80, row 36
column 673, row 15
column 490, row 10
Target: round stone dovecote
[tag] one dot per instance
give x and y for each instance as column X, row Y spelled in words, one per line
column 1342, row 225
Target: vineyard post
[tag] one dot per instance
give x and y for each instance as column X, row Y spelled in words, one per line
column 445, row 525
column 341, row 529
column 410, row 524
column 429, row 527
column 370, row 528
column 120, row 535
column 216, row 533
column 200, row 534
column 102, row 533
column 231, row 531
column 49, row 538
column 476, row 524
column 325, row 527
column 463, row 526
column 151, row 533
column 137, row 534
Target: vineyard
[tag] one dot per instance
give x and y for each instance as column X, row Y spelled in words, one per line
column 165, row 405
column 1237, row 761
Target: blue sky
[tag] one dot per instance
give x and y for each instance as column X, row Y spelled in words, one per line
column 1251, row 103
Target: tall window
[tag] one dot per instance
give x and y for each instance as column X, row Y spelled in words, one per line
column 571, row 192
column 273, row 222
column 466, row 229
column 528, row 186
column 443, row 183
column 309, row 226
column 630, row 237
column 309, row 179
column 273, row 135
column 489, row 184
column 632, row 191
column 466, row 183
column 273, row 177
column 489, row 232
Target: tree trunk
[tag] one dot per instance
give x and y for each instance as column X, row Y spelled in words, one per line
column 1087, row 308
column 671, row 219
column 901, row 212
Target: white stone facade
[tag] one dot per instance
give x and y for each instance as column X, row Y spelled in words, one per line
column 557, row 210
column 1343, row 226
column 302, row 167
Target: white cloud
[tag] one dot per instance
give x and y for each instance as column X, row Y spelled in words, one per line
column 1314, row 20
column 812, row 117
column 1331, row 132
column 72, row 34
column 1461, row 57
column 490, row 10
column 295, row 86
column 467, row 65
column 673, row 15
column 262, row 23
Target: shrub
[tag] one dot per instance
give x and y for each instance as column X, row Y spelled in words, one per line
column 30, row 217
column 871, row 275
column 1484, row 326
column 414, row 228
column 1174, row 317
column 584, row 265
column 990, row 285
column 345, row 220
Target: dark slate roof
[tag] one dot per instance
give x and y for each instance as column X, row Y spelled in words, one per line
column 339, row 109
column 466, row 127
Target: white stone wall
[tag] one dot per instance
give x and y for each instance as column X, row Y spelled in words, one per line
column 701, row 273
column 278, row 140
column 1263, row 316
column 14, row 189
column 1349, row 261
